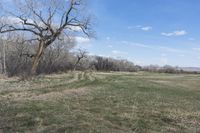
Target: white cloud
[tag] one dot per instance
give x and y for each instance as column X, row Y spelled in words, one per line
column 147, row 28
column 117, row 53
column 144, row 28
column 82, row 39
column 74, row 28
column 175, row 33
column 135, row 44
column 141, row 45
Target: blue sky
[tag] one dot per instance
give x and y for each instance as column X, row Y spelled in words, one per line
column 147, row 31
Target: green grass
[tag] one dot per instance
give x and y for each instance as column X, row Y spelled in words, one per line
column 101, row 103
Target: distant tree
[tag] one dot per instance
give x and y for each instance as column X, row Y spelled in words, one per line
column 45, row 21
column 81, row 54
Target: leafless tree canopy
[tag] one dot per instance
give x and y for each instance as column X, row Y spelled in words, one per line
column 81, row 54
column 45, row 21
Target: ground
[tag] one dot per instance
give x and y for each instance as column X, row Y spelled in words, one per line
column 89, row 102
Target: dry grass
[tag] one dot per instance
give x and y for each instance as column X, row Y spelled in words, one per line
column 101, row 102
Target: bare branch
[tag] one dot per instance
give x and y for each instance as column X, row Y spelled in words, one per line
column 12, row 28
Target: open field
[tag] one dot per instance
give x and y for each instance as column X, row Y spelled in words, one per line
column 101, row 103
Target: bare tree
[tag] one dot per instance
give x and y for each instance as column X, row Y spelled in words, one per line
column 47, row 21
column 4, row 58
column 80, row 55
column 4, row 40
column 1, row 56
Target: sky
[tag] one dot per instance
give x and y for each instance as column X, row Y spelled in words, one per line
column 146, row 31
column 156, row 32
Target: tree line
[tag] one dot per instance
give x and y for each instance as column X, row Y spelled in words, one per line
column 16, row 57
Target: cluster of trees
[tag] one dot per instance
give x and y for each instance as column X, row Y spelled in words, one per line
column 17, row 54
column 110, row 64
column 44, row 23
column 164, row 69
column 168, row 69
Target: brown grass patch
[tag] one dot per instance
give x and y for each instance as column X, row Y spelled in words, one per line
column 61, row 94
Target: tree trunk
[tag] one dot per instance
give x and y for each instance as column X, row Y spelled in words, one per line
column 4, row 58
column 37, row 58
column 1, row 63
column 75, row 65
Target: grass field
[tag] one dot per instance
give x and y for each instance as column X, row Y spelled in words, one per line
column 101, row 103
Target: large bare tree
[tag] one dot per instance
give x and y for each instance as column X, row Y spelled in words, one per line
column 45, row 21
